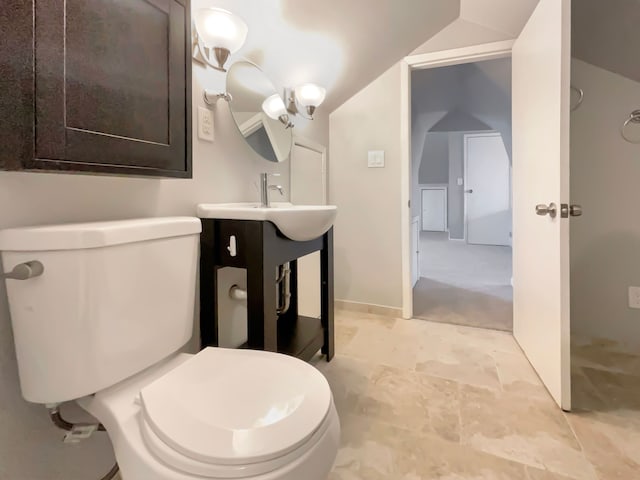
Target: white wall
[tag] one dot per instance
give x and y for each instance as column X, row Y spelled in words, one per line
column 455, row 192
column 605, row 241
column 367, row 230
column 367, row 227
column 224, row 171
column 461, row 33
column 434, row 165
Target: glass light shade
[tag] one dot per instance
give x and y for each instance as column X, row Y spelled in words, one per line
column 219, row 28
column 274, row 107
column 310, row 95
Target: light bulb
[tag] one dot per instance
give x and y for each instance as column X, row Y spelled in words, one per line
column 310, row 95
column 219, row 28
column 274, row 107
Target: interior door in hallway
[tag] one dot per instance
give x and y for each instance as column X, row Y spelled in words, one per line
column 308, row 187
column 541, row 88
column 487, row 190
column 434, row 209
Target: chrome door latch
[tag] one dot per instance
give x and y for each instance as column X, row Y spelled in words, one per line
column 567, row 210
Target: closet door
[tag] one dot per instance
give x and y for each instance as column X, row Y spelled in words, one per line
column 112, row 86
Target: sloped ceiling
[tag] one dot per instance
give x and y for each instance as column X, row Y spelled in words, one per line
column 481, row 21
column 605, row 34
column 340, row 44
column 345, row 44
column 506, row 16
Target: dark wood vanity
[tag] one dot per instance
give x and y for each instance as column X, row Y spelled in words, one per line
column 260, row 249
column 96, row 86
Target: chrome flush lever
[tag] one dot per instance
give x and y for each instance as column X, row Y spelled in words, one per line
column 25, row 271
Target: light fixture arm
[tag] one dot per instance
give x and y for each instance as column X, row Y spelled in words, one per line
column 286, row 121
column 201, row 53
column 292, row 105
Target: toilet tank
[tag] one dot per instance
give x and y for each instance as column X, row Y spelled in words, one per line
column 114, row 298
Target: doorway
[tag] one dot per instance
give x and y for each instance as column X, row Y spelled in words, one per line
column 461, row 192
column 540, row 175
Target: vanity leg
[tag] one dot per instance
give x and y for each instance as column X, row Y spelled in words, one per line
column 262, row 319
column 270, row 319
column 208, row 289
column 327, row 294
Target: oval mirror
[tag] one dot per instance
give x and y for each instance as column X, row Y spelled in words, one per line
column 259, row 112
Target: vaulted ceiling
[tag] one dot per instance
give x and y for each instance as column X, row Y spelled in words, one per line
column 345, row 44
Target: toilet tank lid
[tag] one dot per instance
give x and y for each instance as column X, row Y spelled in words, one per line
column 75, row 236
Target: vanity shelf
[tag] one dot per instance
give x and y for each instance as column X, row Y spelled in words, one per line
column 260, row 248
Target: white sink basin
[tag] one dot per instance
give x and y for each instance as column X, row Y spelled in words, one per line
column 297, row 222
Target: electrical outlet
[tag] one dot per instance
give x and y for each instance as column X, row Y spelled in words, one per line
column 634, row 297
column 205, row 124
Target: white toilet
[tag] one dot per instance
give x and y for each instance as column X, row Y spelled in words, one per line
column 103, row 323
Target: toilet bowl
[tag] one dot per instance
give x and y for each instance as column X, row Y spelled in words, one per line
column 122, row 295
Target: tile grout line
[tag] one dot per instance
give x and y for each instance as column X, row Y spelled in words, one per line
column 582, row 449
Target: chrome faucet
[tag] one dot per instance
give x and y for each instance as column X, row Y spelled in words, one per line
column 265, row 187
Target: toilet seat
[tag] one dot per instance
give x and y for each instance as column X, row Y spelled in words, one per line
column 181, row 463
column 234, row 413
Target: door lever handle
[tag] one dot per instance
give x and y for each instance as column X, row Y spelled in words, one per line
column 25, row 271
column 469, row 190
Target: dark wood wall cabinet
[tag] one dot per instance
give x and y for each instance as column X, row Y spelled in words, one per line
column 98, row 86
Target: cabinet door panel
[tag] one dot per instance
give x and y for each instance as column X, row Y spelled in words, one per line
column 112, row 85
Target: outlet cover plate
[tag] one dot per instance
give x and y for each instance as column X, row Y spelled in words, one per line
column 205, row 124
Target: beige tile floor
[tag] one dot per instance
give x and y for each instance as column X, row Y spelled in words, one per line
column 426, row 400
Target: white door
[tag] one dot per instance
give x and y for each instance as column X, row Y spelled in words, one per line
column 541, row 79
column 308, row 187
column 487, row 190
column 415, row 251
column 434, row 209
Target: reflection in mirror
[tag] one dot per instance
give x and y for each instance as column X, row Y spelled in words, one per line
column 259, row 112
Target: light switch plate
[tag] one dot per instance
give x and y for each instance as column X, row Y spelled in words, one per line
column 460, row 181
column 205, row 124
column 634, row 297
column 375, row 159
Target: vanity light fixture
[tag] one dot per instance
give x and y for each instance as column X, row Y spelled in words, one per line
column 220, row 32
column 304, row 99
column 274, row 107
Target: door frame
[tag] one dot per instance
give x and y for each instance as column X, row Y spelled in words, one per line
column 305, row 142
column 444, row 58
column 446, row 206
column 465, row 159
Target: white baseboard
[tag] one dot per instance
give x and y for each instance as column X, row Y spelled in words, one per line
column 394, row 312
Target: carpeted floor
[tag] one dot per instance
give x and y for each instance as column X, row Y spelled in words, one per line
column 464, row 284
